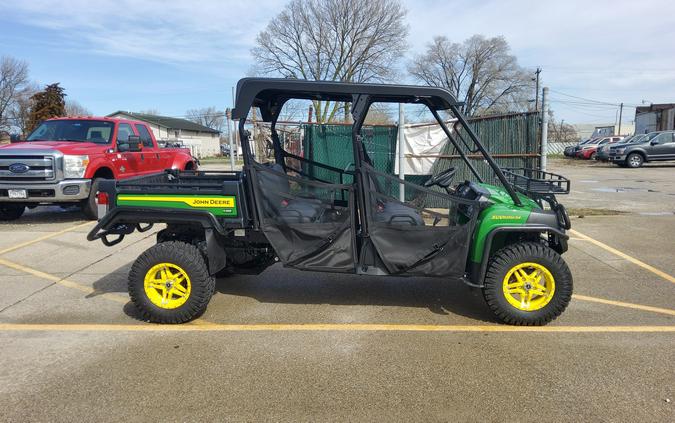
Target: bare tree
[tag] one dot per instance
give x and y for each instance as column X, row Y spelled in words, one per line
column 73, row 108
column 333, row 40
column 560, row 131
column 20, row 113
column 13, row 80
column 207, row 116
column 480, row 71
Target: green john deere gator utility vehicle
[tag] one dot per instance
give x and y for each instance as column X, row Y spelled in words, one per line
column 500, row 230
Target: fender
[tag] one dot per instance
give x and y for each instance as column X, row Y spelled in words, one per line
column 123, row 221
column 97, row 163
column 476, row 271
column 181, row 160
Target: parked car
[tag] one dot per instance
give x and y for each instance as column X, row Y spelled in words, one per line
column 225, row 150
column 589, row 150
column 64, row 159
column 572, row 150
column 655, row 146
column 603, row 151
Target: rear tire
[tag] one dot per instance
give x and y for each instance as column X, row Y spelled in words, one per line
column 634, row 160
column 544, row 275
column 594, row 156
column 184, row 261
column 11, row 211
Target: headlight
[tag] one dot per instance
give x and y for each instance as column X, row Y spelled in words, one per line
column 587, row 148
column 619, row 150
column 74, row 166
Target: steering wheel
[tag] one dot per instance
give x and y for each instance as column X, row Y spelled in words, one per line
column 443, row 179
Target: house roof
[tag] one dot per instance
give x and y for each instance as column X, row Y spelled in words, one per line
column 167, row 122
column 654, row 108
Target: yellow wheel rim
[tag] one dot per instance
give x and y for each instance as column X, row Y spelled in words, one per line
column 529, row 286
column 167, row 285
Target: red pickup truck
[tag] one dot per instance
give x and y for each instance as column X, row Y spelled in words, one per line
column 63, row 160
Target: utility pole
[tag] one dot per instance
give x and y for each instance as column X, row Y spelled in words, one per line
column 228, row 114
column 536, row 95
column 401, row 153
column 236, row 130
column 544, row 130
column 620, row 115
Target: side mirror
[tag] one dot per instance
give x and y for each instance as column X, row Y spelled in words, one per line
column 133, row 144
column 655, row 141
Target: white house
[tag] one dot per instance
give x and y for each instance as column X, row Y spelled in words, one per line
column 201, row 140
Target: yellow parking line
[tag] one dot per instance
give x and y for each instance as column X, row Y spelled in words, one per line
column 62, row 281
column 623, row 304
column 625, row 256
column 44, row 237
column 325, row 327
column 120, row 299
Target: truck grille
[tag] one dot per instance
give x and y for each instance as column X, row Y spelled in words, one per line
column 26, row 168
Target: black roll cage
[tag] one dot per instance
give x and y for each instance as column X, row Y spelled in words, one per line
column 270, row 94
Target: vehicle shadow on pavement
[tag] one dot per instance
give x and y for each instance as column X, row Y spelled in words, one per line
column 51, row 214
column 287, row 286
column 278, row 285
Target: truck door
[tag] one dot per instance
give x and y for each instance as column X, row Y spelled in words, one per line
column 130, row 162
column 150, row 156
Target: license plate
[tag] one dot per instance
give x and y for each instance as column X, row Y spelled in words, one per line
column 17, row 193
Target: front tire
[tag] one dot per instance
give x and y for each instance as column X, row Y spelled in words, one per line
column 170, row 283
column 634, row 160
column 11, row 211
column 527, row 284
column 89, row 206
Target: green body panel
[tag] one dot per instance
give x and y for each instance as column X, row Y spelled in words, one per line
column 218, row 205
column 502, row 212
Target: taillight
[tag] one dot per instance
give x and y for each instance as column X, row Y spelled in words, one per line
column 102, row 201
column 102, row 198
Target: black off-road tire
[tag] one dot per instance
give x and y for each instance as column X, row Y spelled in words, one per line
column 89, row 206
column 11, row 211
column 188, row 257
column 512, row 255
column 634, row 160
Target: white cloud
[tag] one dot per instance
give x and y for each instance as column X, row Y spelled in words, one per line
column 608, row 50
column 169, row 32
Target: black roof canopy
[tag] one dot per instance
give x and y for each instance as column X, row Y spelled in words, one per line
column 269, row 94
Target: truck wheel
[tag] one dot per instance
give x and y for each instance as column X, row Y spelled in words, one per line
column 170, row 283
column 634, row 160
column 11, row 211
column 89, row 206
column 527, row 284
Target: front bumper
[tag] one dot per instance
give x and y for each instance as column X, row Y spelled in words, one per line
column 617, row 157
column 66, row 191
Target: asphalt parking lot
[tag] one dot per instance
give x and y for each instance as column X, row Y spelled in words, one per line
column 287, row 345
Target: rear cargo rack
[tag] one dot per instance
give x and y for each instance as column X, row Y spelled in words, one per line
column 534, row 181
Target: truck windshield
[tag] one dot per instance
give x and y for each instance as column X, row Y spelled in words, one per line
column 96, row 131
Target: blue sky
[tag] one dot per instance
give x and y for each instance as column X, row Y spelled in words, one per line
column 176, row 55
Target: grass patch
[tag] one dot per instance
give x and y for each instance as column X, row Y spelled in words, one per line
column 218, row 160
column 583, row 212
